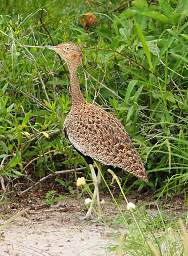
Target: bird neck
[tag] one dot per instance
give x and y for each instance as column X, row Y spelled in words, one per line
column 76, row 94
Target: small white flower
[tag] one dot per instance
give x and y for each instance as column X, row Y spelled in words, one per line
column 80, row 182
column 102, row 201
column 131, row 206
column 87, row 201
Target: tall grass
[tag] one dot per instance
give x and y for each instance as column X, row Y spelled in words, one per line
column 135, row 65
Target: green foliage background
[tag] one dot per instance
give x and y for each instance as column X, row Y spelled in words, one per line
column 135, row 65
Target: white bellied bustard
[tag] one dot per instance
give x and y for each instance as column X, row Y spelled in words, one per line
column 94, row 132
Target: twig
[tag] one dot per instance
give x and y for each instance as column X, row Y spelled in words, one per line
column 36, row 158
column 2, row 183
column 50, row 176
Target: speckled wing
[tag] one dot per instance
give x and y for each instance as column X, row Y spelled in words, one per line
column 97, row 134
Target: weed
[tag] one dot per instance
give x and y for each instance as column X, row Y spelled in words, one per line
column 52, row 197
column 142, row 232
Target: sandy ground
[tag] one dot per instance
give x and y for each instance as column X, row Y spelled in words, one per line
column 37, row 229
column 54, row 232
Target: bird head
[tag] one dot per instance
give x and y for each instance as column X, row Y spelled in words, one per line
column 69, row 52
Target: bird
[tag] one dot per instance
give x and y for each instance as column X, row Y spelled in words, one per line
column 95, row 133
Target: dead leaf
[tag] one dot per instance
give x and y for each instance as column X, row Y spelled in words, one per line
column 87, row 20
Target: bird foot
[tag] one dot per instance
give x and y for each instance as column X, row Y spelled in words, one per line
column 88, row 215
column 85, row 218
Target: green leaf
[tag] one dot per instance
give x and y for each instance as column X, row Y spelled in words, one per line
column 182, row 8
column 140, row 4
column 153, row 47
column 156, row 16
column 15, row 160
column 184, row 36
column 144, row 44
column 138, row 92
column 26, row 118
column 130, row 13
column 177, row 56
column 130, row 113
column 166, row 7
column 4, row 146
column 130, row 87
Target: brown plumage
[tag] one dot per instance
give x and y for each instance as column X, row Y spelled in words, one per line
column 93, row 131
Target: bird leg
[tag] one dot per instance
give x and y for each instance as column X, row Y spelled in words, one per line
column 98, row 176
column 96, row 180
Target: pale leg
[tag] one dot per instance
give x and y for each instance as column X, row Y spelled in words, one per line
column 96, row 181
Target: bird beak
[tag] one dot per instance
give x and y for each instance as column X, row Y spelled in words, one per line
column 50, row 47
column 53, row 48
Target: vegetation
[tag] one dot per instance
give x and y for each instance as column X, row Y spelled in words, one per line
column 144, row 234
column 142, row 231
column 135, row 65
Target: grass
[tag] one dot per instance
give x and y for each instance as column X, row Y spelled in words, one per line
column 147, row 231
column 149, row 235
column 135, row 66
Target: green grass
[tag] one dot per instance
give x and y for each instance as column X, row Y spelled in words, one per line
column 149, row 233
column 142, row 230
column 135, row 63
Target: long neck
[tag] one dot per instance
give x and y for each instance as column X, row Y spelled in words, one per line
column 75, row 91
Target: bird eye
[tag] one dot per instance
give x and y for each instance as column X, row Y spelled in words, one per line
column 67, row 48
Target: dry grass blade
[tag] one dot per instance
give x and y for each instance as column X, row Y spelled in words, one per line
column 184, row 236
column 155, row 251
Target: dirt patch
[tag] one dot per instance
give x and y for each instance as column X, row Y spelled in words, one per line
column 54, row 232
column 59, row 230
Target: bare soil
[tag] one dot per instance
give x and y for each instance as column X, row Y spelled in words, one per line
column 30, row 228
column 54, row 231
